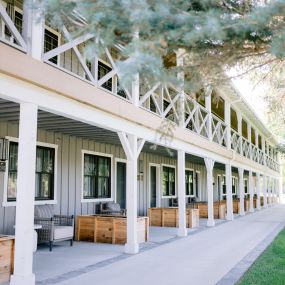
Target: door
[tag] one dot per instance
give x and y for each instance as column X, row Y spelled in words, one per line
column 121, row 184
column 153, row 186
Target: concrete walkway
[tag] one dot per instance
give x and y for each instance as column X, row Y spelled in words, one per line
column 203, row 258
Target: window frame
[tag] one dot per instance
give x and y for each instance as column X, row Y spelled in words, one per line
column 161, row 181
column 7, row 203
column 245, row 183
column 194, row 184
column 234, row 178
column 158, row 182
column 92, row 200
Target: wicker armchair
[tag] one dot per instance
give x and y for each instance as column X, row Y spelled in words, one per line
column 55, row 228
column 112, row 208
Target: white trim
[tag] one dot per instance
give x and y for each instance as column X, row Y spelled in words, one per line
column 161, row 177
column 158, row 184
column 115, row 176
column 84, row 151
column 7, row 203
column 194, row 184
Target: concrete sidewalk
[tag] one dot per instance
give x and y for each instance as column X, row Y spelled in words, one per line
column 203, row 258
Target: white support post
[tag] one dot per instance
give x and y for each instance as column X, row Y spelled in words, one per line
column 241, row 191
column 250, row 185
column 132, row 147
column 209, row 166
column 24, row 231
column 181, row 103
column 270, row 191
column 182, row 231
column 228, row 123
column 256, row 138
column 230, row 215
column 33, row 30
column 208, row 106
column 258, row 191
column 264, row 191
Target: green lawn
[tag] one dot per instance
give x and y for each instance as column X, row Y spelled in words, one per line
column 269, row 268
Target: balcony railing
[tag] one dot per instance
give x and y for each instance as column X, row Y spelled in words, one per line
column 69, row 54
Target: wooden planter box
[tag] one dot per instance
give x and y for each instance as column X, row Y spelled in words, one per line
column 261, row 201
column 168, row 217
column 219, row 210
column 236, row 206
column 108, row 229
column 6, row 258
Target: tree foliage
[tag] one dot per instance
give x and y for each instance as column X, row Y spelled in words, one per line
column 215, row 36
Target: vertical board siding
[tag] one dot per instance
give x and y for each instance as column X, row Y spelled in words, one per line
column 69, row 174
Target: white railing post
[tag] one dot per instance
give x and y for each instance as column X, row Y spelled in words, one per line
column 180, row 76
column 239, row 119
column 182, row 231
column 33, row 30
column 258, row 191
column 24, row 231
column 208, row 105
column 230, row 215
column 209, row 166
column 228, row 123
column 250, row 185
column 241, row 191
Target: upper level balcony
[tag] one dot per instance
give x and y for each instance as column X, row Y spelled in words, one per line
column 220, row 123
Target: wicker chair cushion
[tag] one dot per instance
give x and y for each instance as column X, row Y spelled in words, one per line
column 113, row 206
column 44, row 211
column 63, row 232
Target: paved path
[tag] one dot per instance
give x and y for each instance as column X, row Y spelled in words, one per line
column 203, row 258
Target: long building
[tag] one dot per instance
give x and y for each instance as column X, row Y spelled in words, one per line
column 77, row 138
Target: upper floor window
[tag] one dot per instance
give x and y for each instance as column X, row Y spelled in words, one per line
column 104, row 69
column 51, row 42
column 45, row 171
column 168, row 181
column 97, row 177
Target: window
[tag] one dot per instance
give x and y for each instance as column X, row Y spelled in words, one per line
column 45, row 169
column 234, row 185
column 51, row 42
column 168, row 181
column 44, row 173
column 189, row 183
column 245, row 187
column 104, row 69
column 12, row 171
column 97, row 177
column 224, row 185
column 197, row 181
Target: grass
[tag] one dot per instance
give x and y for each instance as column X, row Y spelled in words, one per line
column 269, row 268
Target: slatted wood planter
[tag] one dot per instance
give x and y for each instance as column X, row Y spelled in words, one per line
column 168, row 217
column 219, row 210
column 6, row 258
column 108, row 229
column 236, row 206
column 246, row 205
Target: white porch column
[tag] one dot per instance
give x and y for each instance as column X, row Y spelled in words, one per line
column 209, row 166
column 250, row 185
column 258, row 191
column 241, row 191
column 181, row 194
column 270, row 190
column 264, row 191
column 228, row 123
column 230, row 215
column 208, row 106
column 136, row 82
column 24, row 232
column 132, row 147
column 33, row 30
